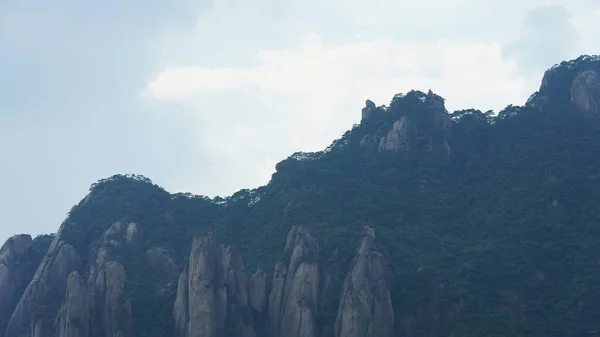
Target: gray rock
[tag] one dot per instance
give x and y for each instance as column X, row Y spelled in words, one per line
column 212, row 288
column 585, row 93
column 293, row 306
column 35, row 309
column 113, row 311
column 257, row 291
column 116, row 237
column 406, row 132
column 12, row 276
column 276, row 297
column 73, row 319
column 365, row 308
column 367, row 111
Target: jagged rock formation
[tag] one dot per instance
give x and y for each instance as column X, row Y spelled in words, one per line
column 100, row 305
column 257, row 292
column 117, row 236
column 276, row 297
column 368, row 109
column 428, row 129
column 58, row 278
column 212, row 289
column 11, row 274
column 74, row 317
column 114, row 310
column 294, row 299
column 585, row 92
column 576, row 82
column 365, row 308
column 475, row 251
column 36, row 309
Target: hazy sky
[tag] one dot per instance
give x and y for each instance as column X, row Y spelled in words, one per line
column 207, row 96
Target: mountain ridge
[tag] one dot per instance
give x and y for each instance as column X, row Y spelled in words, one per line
column 475, row 217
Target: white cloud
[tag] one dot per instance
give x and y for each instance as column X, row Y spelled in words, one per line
column 302, row 99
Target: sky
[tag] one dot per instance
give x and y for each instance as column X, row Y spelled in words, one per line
column 207, row 96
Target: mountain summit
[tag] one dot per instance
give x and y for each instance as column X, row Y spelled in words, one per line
column 575, row 82
column 416, row 222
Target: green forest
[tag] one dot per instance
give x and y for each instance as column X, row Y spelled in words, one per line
column 499, row 237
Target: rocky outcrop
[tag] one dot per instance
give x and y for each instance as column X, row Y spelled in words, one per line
column 163, row 265
column 575, row 82
column 113, row 308
column 585, row 92
column 397, row 138
column 40, row 302
column 414, row 121
column 276, row 297
column 257, row 292
column 74, row 317
column 212, row 290
column 368, row 110
column 116, row 237
column 365, row 308
column 294, row 299
column 12, row 276
column 100, row 305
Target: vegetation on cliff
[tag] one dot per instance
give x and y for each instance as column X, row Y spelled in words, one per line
column 497, row 236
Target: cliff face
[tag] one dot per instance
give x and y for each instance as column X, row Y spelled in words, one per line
column 414, row 121
column 12, row 276
column 498, row 240
column 296, row 298
column 74, row 317
column 575, row 82
column 38, row 306
column 366, row 306
column 212, row 290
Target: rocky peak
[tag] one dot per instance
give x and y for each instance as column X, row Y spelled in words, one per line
column 365, row 308
column 15, row 246
column 11, row 276
column 413, row 121
column 294, row 298
column 212, row 290
column 575, row 82
column 257, row 292
column 368, row 109
column 116, row 236
column 35, row 310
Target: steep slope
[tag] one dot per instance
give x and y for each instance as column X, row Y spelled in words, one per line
column 574, row 83
column 487, row 225
column 19, row 258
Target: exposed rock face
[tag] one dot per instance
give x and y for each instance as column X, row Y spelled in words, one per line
column 368, row 109
column 294, row 300
column 100, row 305
column 11, row 276
column 365, row 308
column 74, row 317
column 428, row 129
column 576, row 82
column 110, row 286
column 116, row 236
column 397, row 138
column 585, row 92
column 257, row 292
column 35, row 309
column 165, row 267
column 276, row 297
column 212, row 287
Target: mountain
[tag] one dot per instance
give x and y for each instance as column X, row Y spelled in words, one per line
column 416, row 222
